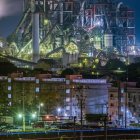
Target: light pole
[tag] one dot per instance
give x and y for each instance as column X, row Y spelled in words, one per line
column 23, row 111
column 22, row 115
column 39, row 109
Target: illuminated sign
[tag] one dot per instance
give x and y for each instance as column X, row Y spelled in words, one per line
column 25, row 79
column 90, row 81
column 54, row 80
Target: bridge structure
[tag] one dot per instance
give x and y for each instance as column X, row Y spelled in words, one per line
column 71, row 29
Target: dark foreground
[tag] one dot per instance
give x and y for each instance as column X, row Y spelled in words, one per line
column 116, row 134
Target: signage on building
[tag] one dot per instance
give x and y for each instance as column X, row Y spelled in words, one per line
column 54, row 80
column 90, row 81
column 25, row 79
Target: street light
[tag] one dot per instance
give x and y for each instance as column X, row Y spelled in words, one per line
column 39, row 109
column 34, row 115
column 19, row 115
column 22, row 116
column 58, row 111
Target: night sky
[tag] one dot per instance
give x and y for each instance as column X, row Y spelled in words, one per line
column 11, row 11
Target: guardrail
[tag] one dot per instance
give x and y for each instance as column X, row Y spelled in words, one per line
column 122, row 134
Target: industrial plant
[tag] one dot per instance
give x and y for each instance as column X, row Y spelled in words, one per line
column 70, row 45
column 71, row 31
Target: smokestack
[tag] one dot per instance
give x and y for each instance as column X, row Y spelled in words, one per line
column 35, row 31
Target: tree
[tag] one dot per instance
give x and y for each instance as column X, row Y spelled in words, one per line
column 114, row 64
column 67, row 71
column 7, row 67
column 95, row 117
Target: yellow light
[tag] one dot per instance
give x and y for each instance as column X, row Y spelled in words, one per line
column 46, row 22
column 94, row 67
column 80, row 64
column 92, row 73
column 96, row 60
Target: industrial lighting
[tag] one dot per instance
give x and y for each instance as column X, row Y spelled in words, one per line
column 39, row 109
column 65, row 115
column 20, row 115
column 34, row 115
column 58, row 111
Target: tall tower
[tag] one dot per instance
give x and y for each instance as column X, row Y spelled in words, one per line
column 37, row 7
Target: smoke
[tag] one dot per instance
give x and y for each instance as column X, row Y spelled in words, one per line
column 10, row 7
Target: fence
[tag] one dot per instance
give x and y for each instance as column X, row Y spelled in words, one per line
column 75, row 135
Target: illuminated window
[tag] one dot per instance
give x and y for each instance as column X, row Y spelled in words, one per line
column 122, row 90
column 10, row 103
column 9, row 96
column 9, row 80
column 67, row 82
column 37, row 81
column 67, row 99
column 67, row 107
column 9, row 87
column 37, row 89
column 67, row 90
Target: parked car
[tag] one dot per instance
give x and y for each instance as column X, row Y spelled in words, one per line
column 39, row 124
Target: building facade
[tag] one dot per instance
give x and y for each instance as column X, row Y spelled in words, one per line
column 124, row 102
column 73, row 95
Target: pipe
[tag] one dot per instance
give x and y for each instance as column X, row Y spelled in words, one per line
column 35, row 36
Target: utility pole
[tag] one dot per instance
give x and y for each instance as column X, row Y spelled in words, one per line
column 106, row 121
column 126, row 91
column 81, row 108
column 23, row 110
column 81, row 100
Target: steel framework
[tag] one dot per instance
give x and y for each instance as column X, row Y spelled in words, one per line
column 69, row 29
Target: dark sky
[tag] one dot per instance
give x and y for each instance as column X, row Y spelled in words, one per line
column 10, row 14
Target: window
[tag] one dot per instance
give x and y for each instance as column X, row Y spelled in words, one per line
column 111, row 95
column 67, row 90
column 67, row 99
column 67, row 82
column 9, row 87
column 37, row 81
column 9, row 80
column 112, row 104
column 9, row 96
column 67, row 107
column 122, row 90
column 10, row 103
column 37, row 89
